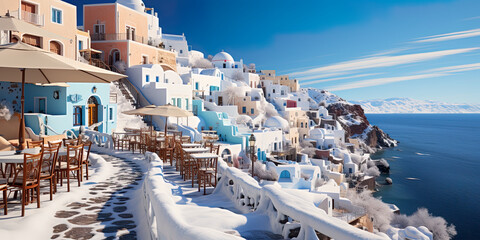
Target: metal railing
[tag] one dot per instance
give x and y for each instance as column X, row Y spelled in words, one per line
column 119, row 36
column 34, row 18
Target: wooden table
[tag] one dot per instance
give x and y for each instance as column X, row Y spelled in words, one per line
column 191, row 145
column 201, row 156
column 11, row 157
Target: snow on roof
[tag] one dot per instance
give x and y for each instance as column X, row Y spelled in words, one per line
column 136, row 5
column 173, row 37
column 222, row 57
column 209, row 71
column 277, row 122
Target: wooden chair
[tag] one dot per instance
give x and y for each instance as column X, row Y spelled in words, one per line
column 34, row 144
column 214, row 148
column 67, row 141
column 167, row 149
column 72, row 164
column 86, row 153
column 134, row 142
column 177, row 135
column 50, row 156
column 55, row 144
column 206, row 169
column 27, row 178
column 4, row 188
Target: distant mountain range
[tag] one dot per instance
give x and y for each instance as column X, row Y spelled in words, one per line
column 408, row 105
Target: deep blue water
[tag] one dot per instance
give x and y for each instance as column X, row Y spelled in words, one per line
column 442, row 152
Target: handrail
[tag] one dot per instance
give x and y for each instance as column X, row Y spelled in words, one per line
column 140, row 99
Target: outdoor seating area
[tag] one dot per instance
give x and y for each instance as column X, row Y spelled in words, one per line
column 42, row 166
column 195, row 161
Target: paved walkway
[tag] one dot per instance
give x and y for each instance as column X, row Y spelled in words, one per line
column 105, row 213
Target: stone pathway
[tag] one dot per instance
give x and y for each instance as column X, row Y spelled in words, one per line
column 104, row 215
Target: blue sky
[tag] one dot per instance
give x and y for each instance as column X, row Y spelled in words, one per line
column 359, row 50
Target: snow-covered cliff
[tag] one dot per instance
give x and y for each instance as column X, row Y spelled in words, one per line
column 408, row 105
column 352, row 118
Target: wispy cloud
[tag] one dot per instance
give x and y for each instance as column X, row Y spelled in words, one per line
column 450, row 36
column 339, row 78
column 382, row 61
column 471, row 18
column 456, row 68
column 382, row 81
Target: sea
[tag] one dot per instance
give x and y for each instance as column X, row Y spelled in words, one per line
column 435, row 166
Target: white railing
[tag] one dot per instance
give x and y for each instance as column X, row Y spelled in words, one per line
column 37, row 19
column 99, row 139
column 163, row 216
column 289, row 215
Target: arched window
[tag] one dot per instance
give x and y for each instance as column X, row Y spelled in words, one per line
column 285, row 174
column 56, row 47
column 114, row 56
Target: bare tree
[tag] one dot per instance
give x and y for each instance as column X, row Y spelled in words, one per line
column 210, row 57
column 202, row 63
column 6, row 110
column 238, row 76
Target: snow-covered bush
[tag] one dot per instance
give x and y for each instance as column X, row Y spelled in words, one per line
column 238, row 76
column 375, row 208
column 6, row 110
column 202, row 63
column 264, row 174
column 121, row 66
column 373, row 171
column 437, row 225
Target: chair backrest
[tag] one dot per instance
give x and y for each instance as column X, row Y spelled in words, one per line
column 34, row 144
column 215, row 149
column 208, row 163
column 55, row 144
column 177, row 135
column 50, row 155
column 67, row 141
column 74, row 154
column 87, row 145
column 32, row 165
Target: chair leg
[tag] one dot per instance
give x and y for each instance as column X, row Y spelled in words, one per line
column 68, row 180
column 79, row 175
column 38, row 195
column 51, row 192
column 86, row 168
column 204, row 184
column 5, row 204
column 23, row 202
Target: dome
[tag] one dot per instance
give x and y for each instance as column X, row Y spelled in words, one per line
column 222, row 57
column 136, row 5
column 277, row 122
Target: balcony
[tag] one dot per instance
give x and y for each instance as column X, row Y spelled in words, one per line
column 33, row 18
column 119, row 36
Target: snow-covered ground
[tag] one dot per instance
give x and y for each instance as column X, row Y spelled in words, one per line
column 408, row 105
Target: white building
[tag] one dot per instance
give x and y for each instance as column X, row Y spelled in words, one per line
column 234, row 70
column 179, row 45
column 204, row 81
column 296, row 176
column 161, row 86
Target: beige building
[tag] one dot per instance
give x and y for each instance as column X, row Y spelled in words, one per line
column 283, row 80
column 298, row 119
column 55, row 16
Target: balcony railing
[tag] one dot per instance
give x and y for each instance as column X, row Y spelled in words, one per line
column 124, row 36
column 37, row 19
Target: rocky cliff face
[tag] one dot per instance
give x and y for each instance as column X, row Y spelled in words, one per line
column 353, row 120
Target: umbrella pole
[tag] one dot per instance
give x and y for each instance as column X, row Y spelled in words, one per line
column 21, row 133
column 166, row 121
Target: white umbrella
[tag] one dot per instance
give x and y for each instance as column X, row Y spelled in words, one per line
column 8, row 23
column 20, row 62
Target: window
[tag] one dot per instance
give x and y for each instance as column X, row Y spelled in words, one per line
column 244, row 109
column 301, row 125
column 145, row 59
column 179, row 102
column 173, row 101
column 147, row 78
column 273, row 90
column 283, row 92
column 224, row 65
column 186, row 104
column 130, row 33
column 181, row 51
column 80, row 45
column 77, row 115
column 56, row 47
column 197, row 86
column 110, row 114
column 157, row 79
column 56, row 15
column 252, row 111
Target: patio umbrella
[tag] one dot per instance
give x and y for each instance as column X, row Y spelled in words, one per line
column 9, row 23
column 20, row 62
column 164, row 111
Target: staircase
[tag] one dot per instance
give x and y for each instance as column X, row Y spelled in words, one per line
column 125, row 92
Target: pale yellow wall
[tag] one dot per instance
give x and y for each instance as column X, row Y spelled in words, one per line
column 283, row 80
column 296, row 117
column 67, row 30
column 241, row 102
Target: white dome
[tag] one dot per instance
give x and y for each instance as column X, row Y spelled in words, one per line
column 136, row 5
column 222, row 57
column 277, row 122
